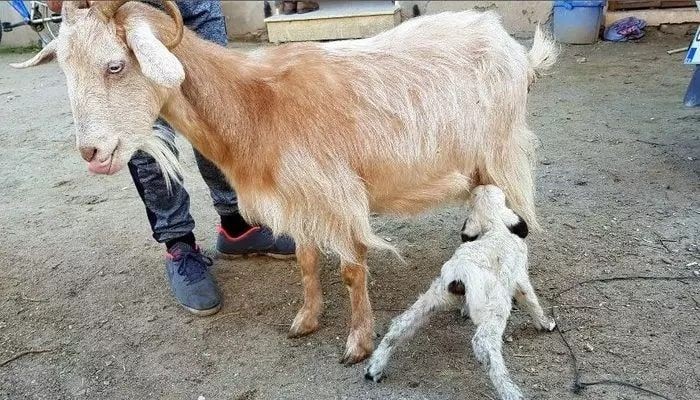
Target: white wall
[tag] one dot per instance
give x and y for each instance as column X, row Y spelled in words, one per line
column 244, row 19
column 519, row 17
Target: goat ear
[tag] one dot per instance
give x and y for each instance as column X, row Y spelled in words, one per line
column 470, row 231
column 520, row 228
column 46, row 54
column 156, row 61
column 514, row 222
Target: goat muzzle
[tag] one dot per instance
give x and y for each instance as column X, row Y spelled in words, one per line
column 107, row 9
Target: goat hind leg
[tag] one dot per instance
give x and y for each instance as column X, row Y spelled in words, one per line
column 306, row 320
column 404, row 326
column 360, row 343
column 487, row 349
column 527, row 300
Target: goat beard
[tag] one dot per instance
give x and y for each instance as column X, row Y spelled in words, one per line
column 168, row 162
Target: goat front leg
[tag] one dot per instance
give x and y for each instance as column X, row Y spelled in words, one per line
column 360, row 340
column 405, row 326
column 527, row 300
column 306, row 320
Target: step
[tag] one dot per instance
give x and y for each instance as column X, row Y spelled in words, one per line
column 335, row 20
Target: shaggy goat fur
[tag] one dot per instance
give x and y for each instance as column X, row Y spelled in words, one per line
column 315, row 136
column 481, row 277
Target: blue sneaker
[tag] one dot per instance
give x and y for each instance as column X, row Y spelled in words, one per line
column 190, row 280
column 255, row 242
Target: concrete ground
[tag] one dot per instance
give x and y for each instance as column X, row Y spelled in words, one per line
column 617, row 195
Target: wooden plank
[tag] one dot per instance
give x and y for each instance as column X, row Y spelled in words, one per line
column 615, row 5
column 676, row 3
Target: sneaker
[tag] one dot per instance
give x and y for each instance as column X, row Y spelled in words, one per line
column 190, row 280
column 256, row 241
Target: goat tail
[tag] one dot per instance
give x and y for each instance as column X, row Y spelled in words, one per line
column 510, row 167
column 542, row 55
column 371, row 240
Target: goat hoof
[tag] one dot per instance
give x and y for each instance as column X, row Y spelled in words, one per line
column 297, row 333
column 546, row 325
column 374, row 371
column 302, row 327
column 550, row 326
column 374, row 378
column 358, row 347
column 354, row 357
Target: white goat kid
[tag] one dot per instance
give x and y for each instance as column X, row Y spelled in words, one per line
column 481, row 277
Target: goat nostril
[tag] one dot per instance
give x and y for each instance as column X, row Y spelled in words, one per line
column 88, row 152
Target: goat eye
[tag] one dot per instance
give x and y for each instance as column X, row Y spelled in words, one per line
column 115, row 67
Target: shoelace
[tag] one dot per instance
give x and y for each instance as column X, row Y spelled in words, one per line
column 193, row 265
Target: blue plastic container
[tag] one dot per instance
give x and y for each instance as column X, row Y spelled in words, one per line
column 577, row 22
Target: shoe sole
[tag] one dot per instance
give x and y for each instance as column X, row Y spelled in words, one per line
column 203, row 313
column 228, row 256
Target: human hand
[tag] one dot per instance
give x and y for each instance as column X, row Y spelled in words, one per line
column 55, row 5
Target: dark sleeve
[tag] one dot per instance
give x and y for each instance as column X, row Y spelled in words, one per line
column 204, row 17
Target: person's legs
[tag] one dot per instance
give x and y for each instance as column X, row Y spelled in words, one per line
column 171, row 223
column 223, row 196
column 236, row 237
column 168, row 211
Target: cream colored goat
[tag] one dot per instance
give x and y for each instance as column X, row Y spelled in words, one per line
column 313, row 136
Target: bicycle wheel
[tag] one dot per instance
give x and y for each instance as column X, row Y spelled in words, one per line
column 47, row 30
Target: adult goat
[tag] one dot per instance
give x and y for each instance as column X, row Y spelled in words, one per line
column 313, row 136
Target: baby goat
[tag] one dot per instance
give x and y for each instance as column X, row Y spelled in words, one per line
column 482, row 277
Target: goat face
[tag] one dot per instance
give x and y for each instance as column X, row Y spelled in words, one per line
column 489, row 208
column 119, row 75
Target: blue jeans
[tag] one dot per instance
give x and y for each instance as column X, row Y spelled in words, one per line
column 169, row 213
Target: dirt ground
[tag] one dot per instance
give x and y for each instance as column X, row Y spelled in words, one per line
column 618, row 190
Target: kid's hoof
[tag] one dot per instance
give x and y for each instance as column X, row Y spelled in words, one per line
column 551, row 325
column 373, row 373
column 373, row 378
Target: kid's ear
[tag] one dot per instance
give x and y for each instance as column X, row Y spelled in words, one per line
column 519, row 228
column 470, row 231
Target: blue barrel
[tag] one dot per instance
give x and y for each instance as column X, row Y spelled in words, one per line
column 577, row 22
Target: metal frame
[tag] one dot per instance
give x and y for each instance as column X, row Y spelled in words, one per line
column 29, row 17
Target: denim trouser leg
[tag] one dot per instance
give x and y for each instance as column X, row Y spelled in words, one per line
column 169, row 212
column 223, row 196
